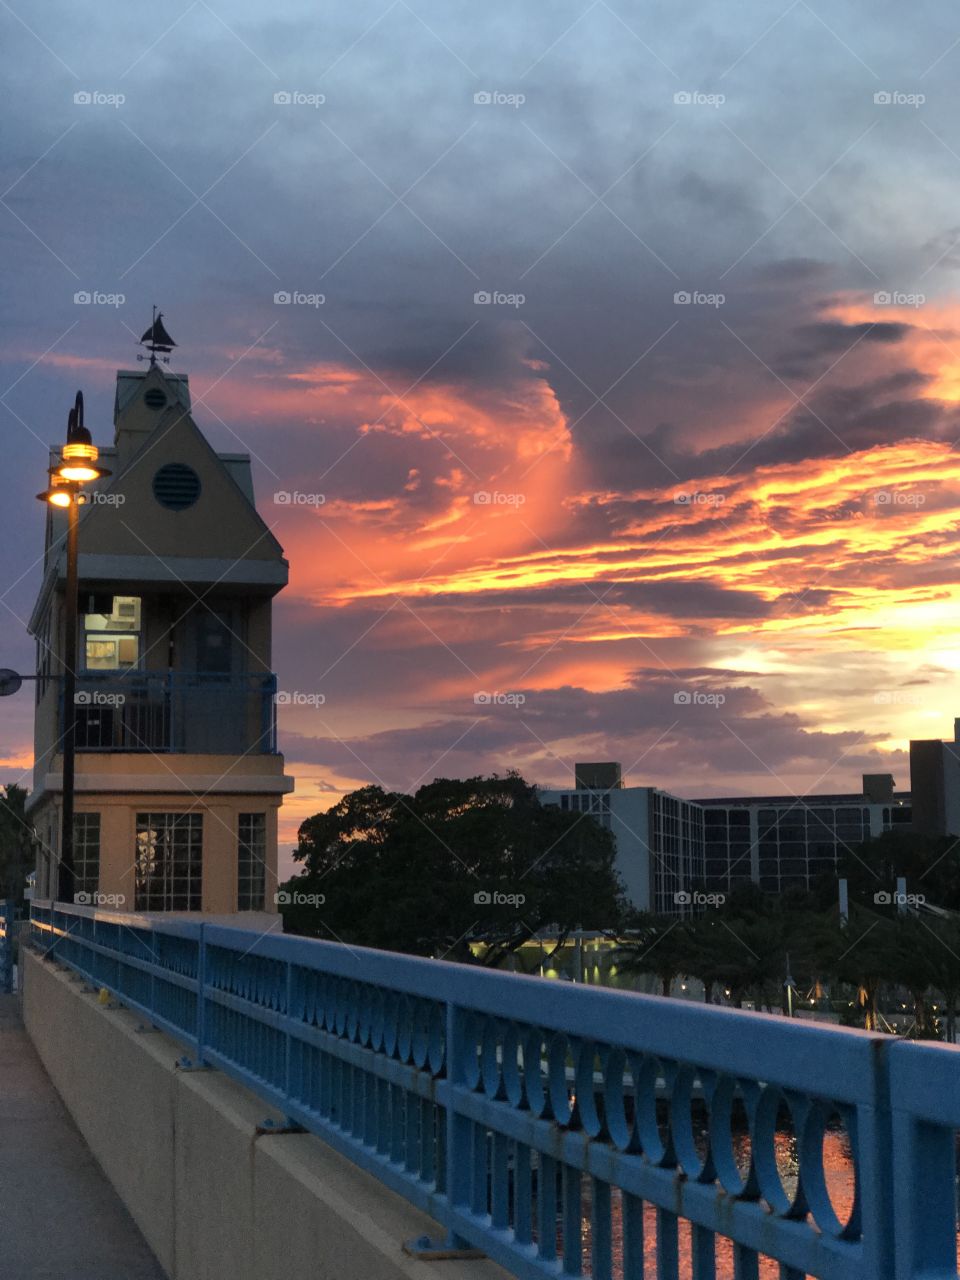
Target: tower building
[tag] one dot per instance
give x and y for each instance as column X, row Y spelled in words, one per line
column 178, row 777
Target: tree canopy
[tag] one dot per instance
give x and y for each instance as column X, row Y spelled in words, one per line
column 461, row 861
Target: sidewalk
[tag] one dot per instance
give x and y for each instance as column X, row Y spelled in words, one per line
column 61, row 1219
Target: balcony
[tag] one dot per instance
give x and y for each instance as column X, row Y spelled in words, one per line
column 164, row 711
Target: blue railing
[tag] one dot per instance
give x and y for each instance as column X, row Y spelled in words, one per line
column 176, row 711
column 7, row 918
column 555, row 1126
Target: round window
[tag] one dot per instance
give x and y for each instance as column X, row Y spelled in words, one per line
column 176, row 486
column 154, row 398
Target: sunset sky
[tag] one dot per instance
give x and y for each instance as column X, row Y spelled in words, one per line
column 585, row 493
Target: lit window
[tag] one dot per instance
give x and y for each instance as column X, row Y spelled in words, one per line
column 169, row 862
column 112, row 640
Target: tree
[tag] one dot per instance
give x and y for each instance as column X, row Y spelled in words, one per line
column 16, row 844
column 477, row 860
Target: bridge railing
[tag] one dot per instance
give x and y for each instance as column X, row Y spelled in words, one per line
column 562, row 1129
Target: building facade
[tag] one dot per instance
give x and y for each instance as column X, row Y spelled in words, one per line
column 935, row 783
column 669, row 849
column 783, row 842
column 178, row 777
column 659, row 837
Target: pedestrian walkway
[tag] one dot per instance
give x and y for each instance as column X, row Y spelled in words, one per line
column 59, row 1217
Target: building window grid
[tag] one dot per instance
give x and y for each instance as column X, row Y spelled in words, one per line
column 251, row 861
column 169, row 862
column 86, row 852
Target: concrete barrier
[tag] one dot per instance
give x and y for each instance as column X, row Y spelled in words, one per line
column 215, row 1200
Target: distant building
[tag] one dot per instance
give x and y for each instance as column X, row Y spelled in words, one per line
column 668, row 848
column 178, row 778
column 660, row 838
column 782, row 842
column 935, row 784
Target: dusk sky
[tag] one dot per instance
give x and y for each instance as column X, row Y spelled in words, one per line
column 701, row 440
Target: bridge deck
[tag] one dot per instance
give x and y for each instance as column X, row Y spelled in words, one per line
column 61, row 1218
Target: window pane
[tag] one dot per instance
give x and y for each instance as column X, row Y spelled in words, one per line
column 251, row 861
column 168, row 862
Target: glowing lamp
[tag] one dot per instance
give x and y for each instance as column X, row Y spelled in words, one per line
column 56, row 497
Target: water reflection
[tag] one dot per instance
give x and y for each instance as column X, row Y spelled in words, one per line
column 838, row 1171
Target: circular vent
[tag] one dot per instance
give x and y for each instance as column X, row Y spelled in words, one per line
column 154, row 398
column 176, row 486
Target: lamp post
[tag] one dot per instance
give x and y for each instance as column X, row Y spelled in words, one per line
column 77, row 466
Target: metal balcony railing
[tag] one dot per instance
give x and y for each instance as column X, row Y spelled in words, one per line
column 552, row 1125
column 164, row 711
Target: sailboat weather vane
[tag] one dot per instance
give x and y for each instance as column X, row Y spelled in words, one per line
column 157, row 341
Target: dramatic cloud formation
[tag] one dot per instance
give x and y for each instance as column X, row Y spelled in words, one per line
column 585, row 356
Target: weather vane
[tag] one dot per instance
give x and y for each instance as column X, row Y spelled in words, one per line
column 157, row 341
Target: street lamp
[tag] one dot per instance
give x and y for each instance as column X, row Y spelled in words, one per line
column 77, row 466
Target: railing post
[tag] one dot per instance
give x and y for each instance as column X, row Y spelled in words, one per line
column 458, row 1126
column 201, row 1026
